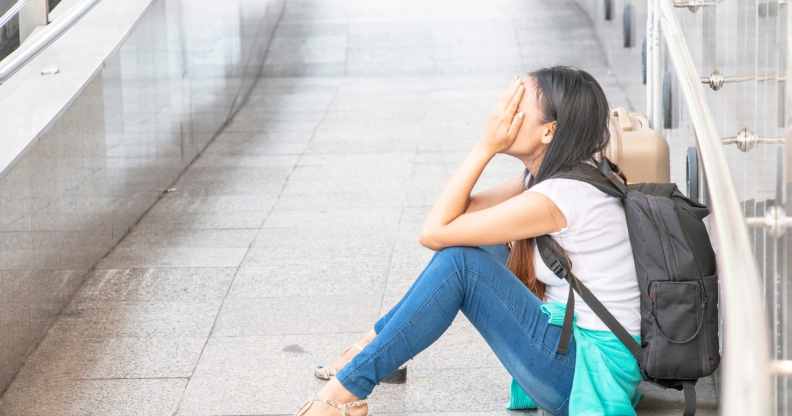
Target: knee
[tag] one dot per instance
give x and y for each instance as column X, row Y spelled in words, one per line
column 466, row 251
column 499, row 251
column 456, row 252
column 465, row 258
column 471, row 264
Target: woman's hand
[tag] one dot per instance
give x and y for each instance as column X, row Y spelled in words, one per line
column 503, row 125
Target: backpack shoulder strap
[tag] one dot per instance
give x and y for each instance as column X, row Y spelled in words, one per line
column 602, row 177
column 553, row 257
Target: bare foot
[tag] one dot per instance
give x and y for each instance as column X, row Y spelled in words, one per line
column 336, row 391
column 350, row 353
column 332, row 401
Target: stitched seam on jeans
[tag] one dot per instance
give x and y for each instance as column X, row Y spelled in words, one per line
column 519, row 324
column 432, row 295
column 564, row 403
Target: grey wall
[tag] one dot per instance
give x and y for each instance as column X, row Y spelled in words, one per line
column 75, row 192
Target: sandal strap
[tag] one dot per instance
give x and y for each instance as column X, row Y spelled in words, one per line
column 342, row 407
column 305, row 407
column 355, row 403
column 327, row 371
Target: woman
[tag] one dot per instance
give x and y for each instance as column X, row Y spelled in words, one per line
column 553, row 119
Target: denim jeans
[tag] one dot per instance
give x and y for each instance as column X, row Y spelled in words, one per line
column 476, row 281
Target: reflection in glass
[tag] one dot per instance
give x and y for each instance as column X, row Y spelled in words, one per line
column 159, row 100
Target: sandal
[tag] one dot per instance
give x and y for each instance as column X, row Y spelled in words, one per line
column 354, row 408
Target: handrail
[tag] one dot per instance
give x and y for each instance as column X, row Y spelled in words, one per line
column 11, row 12
column 28, row 50
column 745, row 386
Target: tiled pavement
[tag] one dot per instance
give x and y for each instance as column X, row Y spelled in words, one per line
column 297, row 227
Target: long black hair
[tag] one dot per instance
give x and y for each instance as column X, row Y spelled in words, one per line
column 574, row 99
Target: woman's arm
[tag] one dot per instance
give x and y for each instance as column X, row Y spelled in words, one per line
column 495, row 194
column 501, row 130
column 454, row 198
column 524, row 215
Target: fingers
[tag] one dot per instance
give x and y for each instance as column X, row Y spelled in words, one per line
column 508, row 95
column 515, row 125
column 515, row 101
column 505, row 124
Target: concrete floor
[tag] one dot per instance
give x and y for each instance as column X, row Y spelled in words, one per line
column 297, row 227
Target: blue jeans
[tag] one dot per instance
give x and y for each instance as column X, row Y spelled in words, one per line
column 476, row 281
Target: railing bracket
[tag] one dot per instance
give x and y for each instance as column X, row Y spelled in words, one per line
column 775, row 221
column 781, row 367
column 694, row 5
column 716, row 79
column 746, row 140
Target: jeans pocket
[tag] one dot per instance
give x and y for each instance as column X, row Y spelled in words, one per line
column 550, row 338
column 550, row 341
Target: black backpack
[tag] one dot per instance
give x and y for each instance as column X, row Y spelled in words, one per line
column 677, row 277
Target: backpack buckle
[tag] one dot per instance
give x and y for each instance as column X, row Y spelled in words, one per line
column 558, row 269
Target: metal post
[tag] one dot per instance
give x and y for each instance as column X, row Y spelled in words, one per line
column 787, row 166
column 34, row 13
column 654, row 108
column 649, row 62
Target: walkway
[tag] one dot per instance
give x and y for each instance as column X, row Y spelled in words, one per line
column 297, row 227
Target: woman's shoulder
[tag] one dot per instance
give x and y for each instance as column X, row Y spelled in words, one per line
column 563, row 187
column 577, row 200
column 572, row 187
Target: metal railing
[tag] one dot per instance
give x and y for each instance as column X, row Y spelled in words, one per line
column 52, row 31
column 746, row 367
column 11, row 12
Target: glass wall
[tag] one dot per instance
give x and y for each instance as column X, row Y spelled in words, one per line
column 159, row 100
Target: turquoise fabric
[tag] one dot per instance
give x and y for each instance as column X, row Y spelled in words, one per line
column 606, row 374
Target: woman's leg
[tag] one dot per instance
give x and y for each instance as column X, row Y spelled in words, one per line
column 499, row 306
column 500, row 251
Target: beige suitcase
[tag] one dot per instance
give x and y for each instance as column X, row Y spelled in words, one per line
column 640, row 152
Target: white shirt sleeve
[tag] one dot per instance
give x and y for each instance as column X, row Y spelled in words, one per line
column 565, row 194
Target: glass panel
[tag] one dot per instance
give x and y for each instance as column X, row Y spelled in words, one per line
column 159, row 100
column 9, row 34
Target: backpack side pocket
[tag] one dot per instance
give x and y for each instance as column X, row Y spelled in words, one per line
column 677, row 312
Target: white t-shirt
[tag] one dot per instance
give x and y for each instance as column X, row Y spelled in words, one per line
column 597, row 243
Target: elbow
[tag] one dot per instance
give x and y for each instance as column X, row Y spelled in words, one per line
column 427, row 240
column 423, row 240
